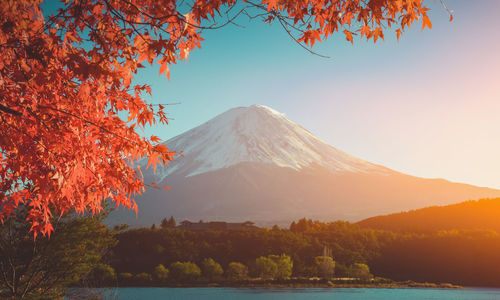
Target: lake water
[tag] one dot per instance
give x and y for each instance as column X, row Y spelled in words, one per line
column 302, row 294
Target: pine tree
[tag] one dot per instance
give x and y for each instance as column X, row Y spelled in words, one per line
column 171, row 222
column 164, row 223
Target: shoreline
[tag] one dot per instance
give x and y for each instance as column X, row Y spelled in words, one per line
column 332, row 285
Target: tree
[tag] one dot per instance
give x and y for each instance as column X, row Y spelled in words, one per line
column 326, row 266
column 266, row 268
column 284, row 266
column 164, row 223
column 65, row 80
column 184, row 271
column 30, row 268
column 211, row 269
column 236, row 271
column 361, row 271
column 161, row 273
column 170, row 223
column 102, row 275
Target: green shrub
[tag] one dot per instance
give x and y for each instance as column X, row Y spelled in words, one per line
column 284, row 266
column 103, row 274
column 161, row 273
column 236, row 271
column 211, row 269
column 266, row 268
column 361, row 271
column 326, row 266
column 184, row 271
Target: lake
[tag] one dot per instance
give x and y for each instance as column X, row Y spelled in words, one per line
column 303, row 293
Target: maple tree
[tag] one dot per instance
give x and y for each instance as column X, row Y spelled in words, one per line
column 66, row 81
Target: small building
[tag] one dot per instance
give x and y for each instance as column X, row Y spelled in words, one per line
column 216, row 225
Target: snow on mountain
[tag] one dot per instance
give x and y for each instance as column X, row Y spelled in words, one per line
column 255, row 134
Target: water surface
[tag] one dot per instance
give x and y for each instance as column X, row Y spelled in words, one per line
column 303, row 293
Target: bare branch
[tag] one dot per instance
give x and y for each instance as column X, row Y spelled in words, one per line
column 10, row 111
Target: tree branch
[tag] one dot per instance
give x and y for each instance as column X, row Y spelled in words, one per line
column 10, row 110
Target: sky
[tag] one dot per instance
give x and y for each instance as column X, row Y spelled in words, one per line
column 428, row 105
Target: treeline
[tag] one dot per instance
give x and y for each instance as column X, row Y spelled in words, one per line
column 460, row 257
column 267, row 268
column 264, row 269
column 141, row 250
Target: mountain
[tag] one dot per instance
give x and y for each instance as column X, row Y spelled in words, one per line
column 256, row 134
column 252, row 163
column 470, row 215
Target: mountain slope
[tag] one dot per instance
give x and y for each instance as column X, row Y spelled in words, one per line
column 251, row 163
column 470, row 215
column 256, row 134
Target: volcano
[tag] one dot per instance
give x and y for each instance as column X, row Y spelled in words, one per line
column 252, row 163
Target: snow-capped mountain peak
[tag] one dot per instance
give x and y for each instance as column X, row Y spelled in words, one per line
column 252, row 163
column 255, row 134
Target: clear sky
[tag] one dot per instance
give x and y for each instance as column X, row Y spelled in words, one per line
column 428, row 105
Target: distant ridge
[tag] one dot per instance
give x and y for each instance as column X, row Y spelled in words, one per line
column 482, row 214
column 252, row 163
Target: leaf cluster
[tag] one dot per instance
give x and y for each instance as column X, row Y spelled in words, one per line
column 66, row 80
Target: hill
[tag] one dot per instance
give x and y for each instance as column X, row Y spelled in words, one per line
column 470, row 215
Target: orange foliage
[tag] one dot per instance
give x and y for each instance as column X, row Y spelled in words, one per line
column 65, row 78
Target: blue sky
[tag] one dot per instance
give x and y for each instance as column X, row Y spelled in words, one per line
column 428, row 105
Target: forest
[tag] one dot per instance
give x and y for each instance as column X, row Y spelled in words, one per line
column 83, row 252
column 465, row 257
